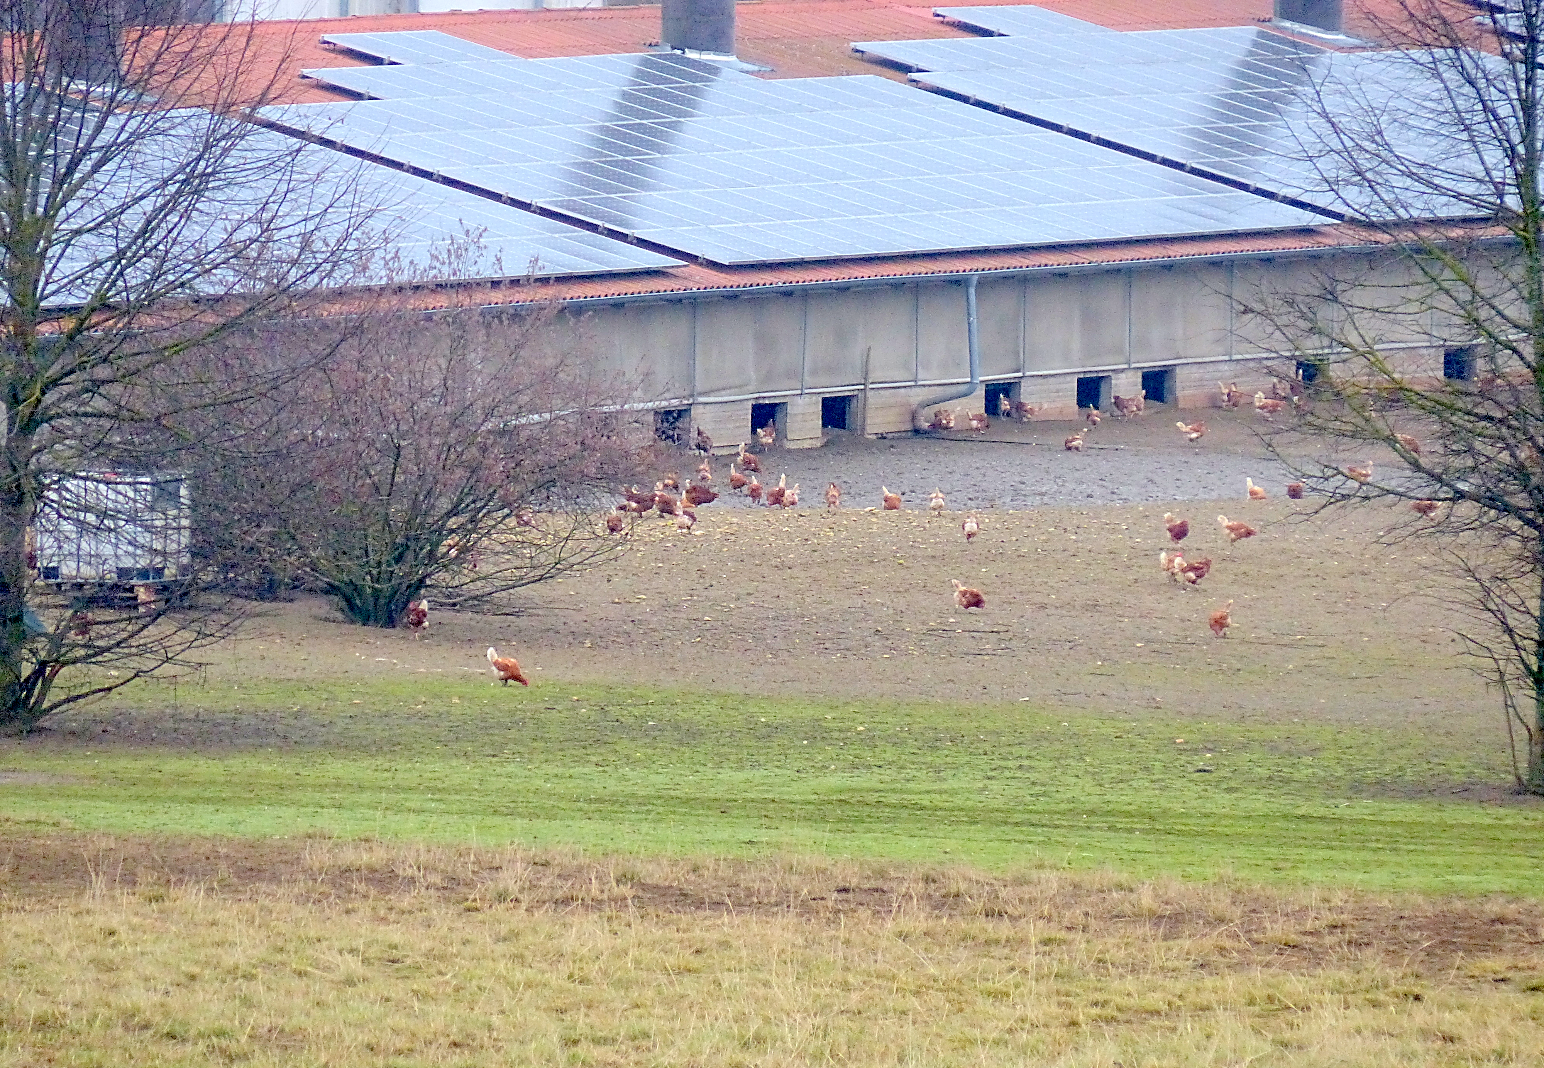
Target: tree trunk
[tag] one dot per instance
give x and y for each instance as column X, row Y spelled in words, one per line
column 1533, row 777
column 23, row 683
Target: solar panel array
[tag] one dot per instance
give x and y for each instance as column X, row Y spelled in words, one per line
column 729, row 168
column 1018, row 21
column 491, row 240
column 418, row 47
column 1238, row 103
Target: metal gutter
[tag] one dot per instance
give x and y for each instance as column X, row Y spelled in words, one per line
column 973, row 346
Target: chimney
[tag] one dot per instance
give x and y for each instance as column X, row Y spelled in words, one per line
column 1325, row 15
column 84, row 36
column 699, row 26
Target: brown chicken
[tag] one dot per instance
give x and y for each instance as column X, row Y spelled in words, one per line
column 145, row 597
column 736, row 480
column 935, row 501
column 1230, row 395
column 666, row 504
column 417, row 618
column 1295, row 490
column 702, row 443
column 507, row 667
column 1424, row 508
column 1004, row 406
column 1093, row 416
column 1075, row 442
column 1179, row 529
column 1235, row 529
column 971, row 526
column 767, row 435
column 966, row 597
column 696, row 494
column 833, row 496
column 672, row 481
column 791, row 497
column 81, row 623
column 1268, row 408
column 754, row 491
column 943, row 419
column 1127, row 407
column 775, row 494
column 525, row 518
column 1412, row 445
column 892, row 500
column 615, row 523
column 1024, row 411
column 1256, row 493
column 1194, row 571
column 1170, row 564
column 685, row 521
column 1359, row 474
column 705, row 472
column 1221, row 620
column 979, row 422
column 749, row 462
column 1192, row 431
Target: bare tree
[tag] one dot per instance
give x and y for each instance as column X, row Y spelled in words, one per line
column 142, row 217
column 460, row 454
column 1424, row 360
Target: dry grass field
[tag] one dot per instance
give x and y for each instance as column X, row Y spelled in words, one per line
column 773, row 800
column 318, row 952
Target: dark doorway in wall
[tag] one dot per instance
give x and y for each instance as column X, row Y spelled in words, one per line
column 1160, row 385
column 671, row 424
column 1458, row 363
column 1094, row 391
column 762, row 414
column 1307, row 372
column 996, row 390
column 836, row 413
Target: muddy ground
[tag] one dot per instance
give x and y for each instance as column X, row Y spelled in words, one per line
column 1329, row 623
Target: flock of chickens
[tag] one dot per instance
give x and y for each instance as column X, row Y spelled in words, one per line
column 679, row 503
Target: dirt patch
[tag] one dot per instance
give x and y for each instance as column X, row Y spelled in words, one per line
column 32, row 778
column 1240, row 924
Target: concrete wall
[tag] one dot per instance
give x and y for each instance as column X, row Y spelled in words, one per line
column 899, row 344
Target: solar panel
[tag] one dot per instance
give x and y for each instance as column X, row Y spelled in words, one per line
column 1017, row 21
column 499, row 241
column 720, row 165
column 1257, row 50
column 419, row 47
column 1240, row 104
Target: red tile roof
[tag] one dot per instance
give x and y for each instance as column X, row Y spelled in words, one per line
column 796, row 38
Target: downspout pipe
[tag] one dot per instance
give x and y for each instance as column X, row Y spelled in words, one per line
column 973, row 344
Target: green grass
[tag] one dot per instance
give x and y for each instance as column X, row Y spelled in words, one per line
column 654, row 772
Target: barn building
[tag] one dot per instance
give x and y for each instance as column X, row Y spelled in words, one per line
column 833, row 214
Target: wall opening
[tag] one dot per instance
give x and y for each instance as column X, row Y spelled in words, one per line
column 836, row 413
column 997, row 390
column 762, row 414
column 1458, row 363
column 1161, row 385
column 1307, row 372
column 671, row 424
column 1094, row 391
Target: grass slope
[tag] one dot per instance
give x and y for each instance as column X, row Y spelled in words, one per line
column 652, row 772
